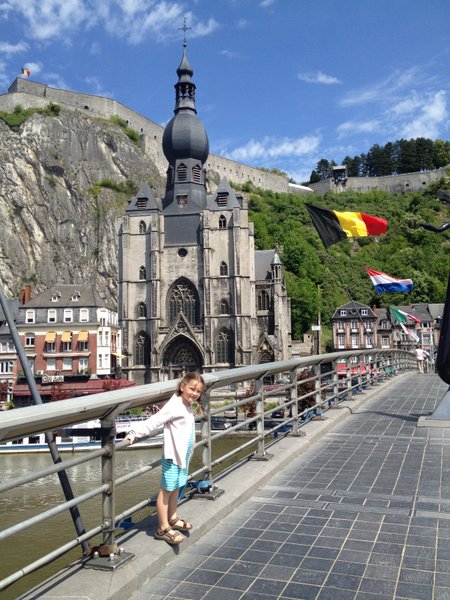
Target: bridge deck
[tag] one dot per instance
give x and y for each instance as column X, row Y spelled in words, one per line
column 364, row 513
column 357, row 509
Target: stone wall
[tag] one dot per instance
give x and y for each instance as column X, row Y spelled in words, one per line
column 31, row 94
column 405, row 182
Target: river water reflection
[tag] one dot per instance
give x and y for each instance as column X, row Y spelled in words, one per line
column 25, row 501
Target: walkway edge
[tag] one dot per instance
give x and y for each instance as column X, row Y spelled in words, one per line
column 78, row 583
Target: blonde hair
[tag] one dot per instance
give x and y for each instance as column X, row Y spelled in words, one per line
column 190, row 376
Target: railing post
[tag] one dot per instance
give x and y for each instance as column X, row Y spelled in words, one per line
column 109, row 496
column 260, row 453
column 294, row 406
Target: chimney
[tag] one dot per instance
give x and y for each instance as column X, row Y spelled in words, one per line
column 25, row 294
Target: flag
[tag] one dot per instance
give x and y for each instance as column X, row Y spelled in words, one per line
column 25, row 72
column 414, row 336
column 386, row 283
column 401, row 316
column 333, row 226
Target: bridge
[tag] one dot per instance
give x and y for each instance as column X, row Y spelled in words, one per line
column 351, row 504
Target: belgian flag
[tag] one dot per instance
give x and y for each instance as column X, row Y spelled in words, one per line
column 334, row 226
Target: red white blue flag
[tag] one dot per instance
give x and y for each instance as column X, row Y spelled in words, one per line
column 386, row 283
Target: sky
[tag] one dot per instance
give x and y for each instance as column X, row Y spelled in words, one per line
column 280, row 83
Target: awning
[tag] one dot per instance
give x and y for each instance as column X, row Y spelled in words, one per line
column 50, row 337
column 83, row 336
column 66, row 336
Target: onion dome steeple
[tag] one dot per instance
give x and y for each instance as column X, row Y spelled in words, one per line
column 185, row 145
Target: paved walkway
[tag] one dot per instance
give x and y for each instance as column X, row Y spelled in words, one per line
column 363, row 513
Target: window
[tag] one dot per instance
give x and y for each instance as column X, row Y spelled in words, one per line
column 83, row 364
column 84, row 315
column 6, row 367
column 50, row 346
column 222, row 222
column 142, row 273
column 56, row 297
column 183, row 299
column 196, row 174
column 355, row 341
column 263, row 300
column 182, row 172
column 67, row 346
column 83, row 346
column 222, row 198
column 364, row 312
column 67, row 364
column 385, row 341
column 341, row 340
column 7, row 345
column 141, row 349
column 141, row 203
column 223, row 269
column 29, row 316
column 354, row 324
column 75, row 296
column 224, row 308
column 51, row 364
column 51, row 315
column 142, row 227
column 384, row 324
column 340, row 325
column 182, row 199
column 68, row 315
column 343, row 312
column 141, row 310
column 29, row 340
column 369, row 343
column 223, row 347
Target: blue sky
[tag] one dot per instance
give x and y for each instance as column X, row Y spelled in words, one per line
column 280, row 83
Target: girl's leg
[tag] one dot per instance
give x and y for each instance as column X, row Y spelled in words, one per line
column 164, row 506
column 173, row 503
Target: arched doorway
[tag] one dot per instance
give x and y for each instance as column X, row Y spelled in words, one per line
column 181, row 356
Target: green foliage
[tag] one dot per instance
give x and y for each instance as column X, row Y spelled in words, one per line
column 320, row 281
column 131, row 133
column 20, row 114
column 127, row 188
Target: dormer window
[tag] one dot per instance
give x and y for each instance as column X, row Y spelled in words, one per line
column 56, row 296
column 141, row 203
column 222, row 198
column 182, row 200
column 75, row 296
column 342, row 313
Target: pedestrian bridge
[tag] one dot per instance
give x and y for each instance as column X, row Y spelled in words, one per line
column 356, row 506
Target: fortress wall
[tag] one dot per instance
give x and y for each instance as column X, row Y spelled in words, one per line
column 31, row 94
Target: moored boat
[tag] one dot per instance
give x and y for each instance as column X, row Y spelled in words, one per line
column 68, row 440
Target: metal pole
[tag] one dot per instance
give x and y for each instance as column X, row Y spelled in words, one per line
column 62, row 475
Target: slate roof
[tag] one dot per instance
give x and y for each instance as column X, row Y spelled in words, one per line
column 88, row 297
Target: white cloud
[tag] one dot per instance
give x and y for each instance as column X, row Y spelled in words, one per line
column 34, row 68
column 431, row 120
column 229, row 53
column 355, row 127
column 383, row 90
column 266, row 3
column 7, row 48
column 274, row 148
column 318, row 77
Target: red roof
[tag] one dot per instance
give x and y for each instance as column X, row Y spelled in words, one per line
column 75, row 388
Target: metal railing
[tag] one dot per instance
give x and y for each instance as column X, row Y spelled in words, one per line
column 299, row 390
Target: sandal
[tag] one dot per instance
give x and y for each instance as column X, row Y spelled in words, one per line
column 169, row 536
column 178, row 524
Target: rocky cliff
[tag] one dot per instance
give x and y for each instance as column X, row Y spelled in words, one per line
column 64, row 181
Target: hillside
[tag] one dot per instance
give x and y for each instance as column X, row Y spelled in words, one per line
column 407, row 250
column 64, row 180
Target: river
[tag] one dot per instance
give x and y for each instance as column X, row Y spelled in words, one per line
column 25, row 501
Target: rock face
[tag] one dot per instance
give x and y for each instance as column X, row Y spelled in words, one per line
column 63, row 183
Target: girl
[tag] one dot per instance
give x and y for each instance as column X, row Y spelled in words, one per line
column 177, row 419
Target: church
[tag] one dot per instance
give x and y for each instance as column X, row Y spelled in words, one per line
column 193, row 291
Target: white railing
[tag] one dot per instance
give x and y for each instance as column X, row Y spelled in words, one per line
column 303, row 388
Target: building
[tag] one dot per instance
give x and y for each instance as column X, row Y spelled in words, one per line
column 353, row 326
column 8, row 355
column 193, row 292
column 71, row 339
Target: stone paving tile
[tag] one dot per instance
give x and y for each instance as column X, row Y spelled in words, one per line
column 359, row 522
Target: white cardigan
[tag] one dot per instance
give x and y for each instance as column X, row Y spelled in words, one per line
column 177, row 419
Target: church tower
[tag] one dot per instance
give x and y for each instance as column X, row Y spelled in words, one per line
column 189, row 290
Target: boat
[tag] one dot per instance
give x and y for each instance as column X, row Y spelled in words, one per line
column 78, row 438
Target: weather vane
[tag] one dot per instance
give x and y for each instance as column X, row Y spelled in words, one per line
column 184, row 29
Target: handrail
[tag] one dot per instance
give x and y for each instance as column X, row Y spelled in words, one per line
column 261, row 431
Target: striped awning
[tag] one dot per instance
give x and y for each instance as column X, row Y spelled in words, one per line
column 50, row 336
column 83, row 336
column 66, row 336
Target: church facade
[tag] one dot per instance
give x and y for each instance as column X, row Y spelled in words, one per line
column 193, row 292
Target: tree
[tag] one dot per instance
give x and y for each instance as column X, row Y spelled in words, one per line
column 314, row 177
column 323, row 169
